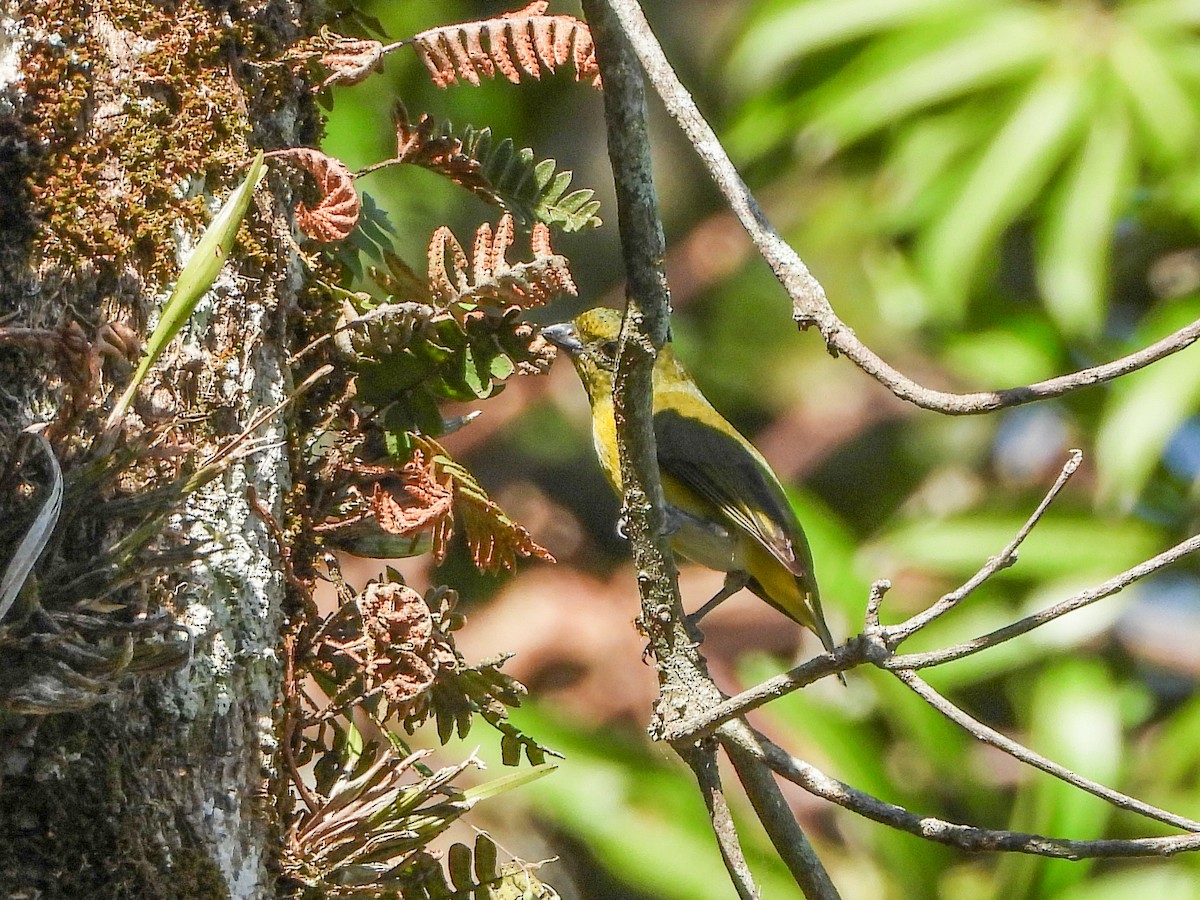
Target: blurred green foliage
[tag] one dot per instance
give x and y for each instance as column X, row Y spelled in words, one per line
column 992, row 192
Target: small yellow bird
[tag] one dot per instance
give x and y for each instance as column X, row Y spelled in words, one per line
column 726, row 509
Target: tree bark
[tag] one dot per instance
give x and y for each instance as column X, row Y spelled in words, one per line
column 122, row 127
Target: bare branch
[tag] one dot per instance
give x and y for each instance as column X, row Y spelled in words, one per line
column 683, row 678
column 964, row 837
column 810, row 305
column 1049, row 614
column 855, row 652
column 988, row 735
column 702, row 760
column 780, row 823
column 1003, row 560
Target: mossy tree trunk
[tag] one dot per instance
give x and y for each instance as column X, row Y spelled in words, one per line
column 122, row 126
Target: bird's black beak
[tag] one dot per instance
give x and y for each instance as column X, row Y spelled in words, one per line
column 565, row 337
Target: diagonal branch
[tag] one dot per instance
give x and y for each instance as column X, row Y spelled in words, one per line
column 990, row 736
column 780, row 823
column 702, row 760
column 1084, row 598
column 953, row 834
column 1003, row 560
column 810, row 305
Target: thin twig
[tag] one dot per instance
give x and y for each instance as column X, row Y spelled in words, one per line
column 702, row 760
column 1114, row 585
column 875, row 602
column 773, row 810
column 988, row 735
column 964, row 837
column 898, row 633
column 854, row 652
column 810, row 304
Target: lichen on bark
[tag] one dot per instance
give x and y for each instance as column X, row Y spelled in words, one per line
column 122, row 126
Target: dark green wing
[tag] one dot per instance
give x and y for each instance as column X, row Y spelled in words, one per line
column 718, row 467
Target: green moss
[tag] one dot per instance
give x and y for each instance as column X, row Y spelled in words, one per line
column 136, row 110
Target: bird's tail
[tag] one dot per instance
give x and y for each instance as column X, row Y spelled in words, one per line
column 820, row 628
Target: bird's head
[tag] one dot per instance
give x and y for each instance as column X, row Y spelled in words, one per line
column 591, row 342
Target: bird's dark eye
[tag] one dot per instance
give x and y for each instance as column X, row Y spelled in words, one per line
column 609, row 349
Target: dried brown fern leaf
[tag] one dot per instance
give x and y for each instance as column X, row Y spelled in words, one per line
column 336, row 214
column 350, row 60
column 516, row 44
column 489, row 279
column 437, row 488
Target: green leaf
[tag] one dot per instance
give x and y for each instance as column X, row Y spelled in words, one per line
column 505, row 783
column 198, row 275
column 1060, row 545
column 784, row 32
column 1077, row 233
column 905, row 73
column 1144, row 409
column 1165, row 112
column 528, row 188
column 1007, row 177
column 917, row 179
column 1075, row 721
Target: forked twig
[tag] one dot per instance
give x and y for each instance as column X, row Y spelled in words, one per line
column 1002, row 560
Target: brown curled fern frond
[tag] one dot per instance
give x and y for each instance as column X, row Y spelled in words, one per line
column 516, row 44
column 488, row 278
column 437, row 488
column 336, row 214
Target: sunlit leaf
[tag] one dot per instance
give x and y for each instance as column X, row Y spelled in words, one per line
column 1073, row 253
column 1008, row 175
column 781, row 33
column 911, row 72
column 198, row 275
column 1144, row 409
column 1165, row 113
